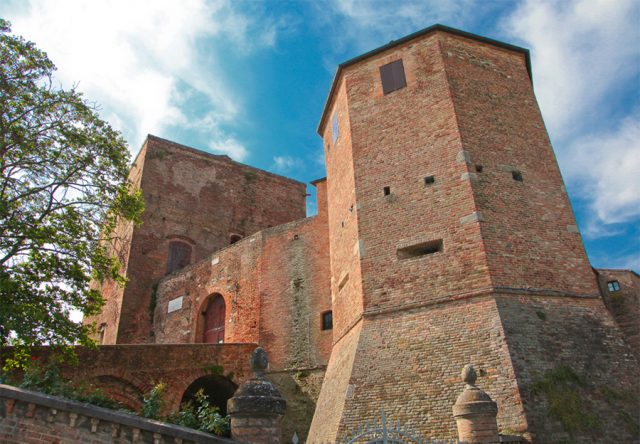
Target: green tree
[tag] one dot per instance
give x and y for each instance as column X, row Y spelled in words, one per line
column 63, row 186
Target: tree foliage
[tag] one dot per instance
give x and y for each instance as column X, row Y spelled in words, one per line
column 63, row 186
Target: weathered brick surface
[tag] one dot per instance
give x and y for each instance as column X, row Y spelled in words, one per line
column 544, row 333
column 33, row 418
column 623, row 304
column 468, row 117
column 126, row 372
column 201, row 199
column 276, row 285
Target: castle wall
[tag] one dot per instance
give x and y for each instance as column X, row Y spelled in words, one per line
column 199, row 199
column 548, row 335
column 276, row 286
column 623, row 304
column 529, row 231
column 108, row 319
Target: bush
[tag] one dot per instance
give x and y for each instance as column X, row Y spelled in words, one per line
column 202, row 416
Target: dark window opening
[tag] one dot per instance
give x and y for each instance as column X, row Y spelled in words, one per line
column 420, row 249
column 517, row 175
column 327, row 320
column 613, row 285
column 392, row 76
column 179, row 256
column 234, row 238
column 217, row 388
column 386, row 190
column 429, row 180
column 479, row 168
column 335, row 130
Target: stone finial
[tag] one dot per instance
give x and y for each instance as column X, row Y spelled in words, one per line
column 475, row 412
column 259, row 362
column 257, row 407
column 469, row 375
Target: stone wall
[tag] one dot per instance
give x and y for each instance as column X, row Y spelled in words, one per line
column 33, row 418
column 199, row 199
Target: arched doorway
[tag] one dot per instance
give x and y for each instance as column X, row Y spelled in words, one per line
column 217, row 388
column 214, row 317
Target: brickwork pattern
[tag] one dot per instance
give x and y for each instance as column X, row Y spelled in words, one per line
column 33, row 418
column 624, row 304
column 201, row 199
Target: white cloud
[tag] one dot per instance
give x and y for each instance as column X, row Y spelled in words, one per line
column 586, row 58
column 143, row 61
column 581, row 50
column 606, row 167
column 285, row 164
column 231, row 147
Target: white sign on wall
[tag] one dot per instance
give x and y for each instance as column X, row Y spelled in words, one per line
column 175, row 304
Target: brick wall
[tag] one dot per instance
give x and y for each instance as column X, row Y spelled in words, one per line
column 32, row 418
column 275, row 285
column 418, row 319
column 623, row 304
column 202, row 200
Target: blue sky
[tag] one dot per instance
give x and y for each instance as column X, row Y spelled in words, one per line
column 249, row 79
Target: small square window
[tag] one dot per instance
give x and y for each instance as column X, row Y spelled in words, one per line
column 335, row 130
column 430, row 180
column 327, row 320
column 517, row 175
column 392, row 76
column 613, row 285
column 386, row 191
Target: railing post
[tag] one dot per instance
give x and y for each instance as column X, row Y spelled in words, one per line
column 256, row 408
column 475, row 412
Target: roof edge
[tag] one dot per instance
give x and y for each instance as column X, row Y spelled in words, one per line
column 393, row 43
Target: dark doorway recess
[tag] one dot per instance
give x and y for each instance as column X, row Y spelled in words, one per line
column 217, row 388
column 214, row 316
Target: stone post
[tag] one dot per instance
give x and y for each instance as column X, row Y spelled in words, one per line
column 475, row 412
column 256, row 408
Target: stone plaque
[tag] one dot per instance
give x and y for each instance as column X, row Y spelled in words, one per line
column 175, row 304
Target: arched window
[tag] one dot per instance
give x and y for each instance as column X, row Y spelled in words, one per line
column 179, row 256
column 234, row 238
column 214, row 316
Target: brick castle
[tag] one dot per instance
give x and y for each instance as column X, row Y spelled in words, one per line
column 444, row 236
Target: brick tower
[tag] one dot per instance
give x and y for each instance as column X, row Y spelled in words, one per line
column 452, row 241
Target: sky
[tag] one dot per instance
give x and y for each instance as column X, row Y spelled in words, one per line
column 249, row 79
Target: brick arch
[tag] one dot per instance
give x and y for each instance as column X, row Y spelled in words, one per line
column 218, row 388
column 120, row 390
column 201, row 317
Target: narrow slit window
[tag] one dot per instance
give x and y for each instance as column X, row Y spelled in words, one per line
column 420, row 249
column 429, row 180
column 327, row 320
column 517, row 175
column 335, row 130
column 386, row 191
column 392, row 76
column 613, row 285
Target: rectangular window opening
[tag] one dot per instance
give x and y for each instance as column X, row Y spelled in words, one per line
column 517, row 175
column 613, row 285
column 420, row 249
column 327, row 320
column 392, row 76
column 387, row 191
column 429, row 180
column 335, row 130
column 479, row 168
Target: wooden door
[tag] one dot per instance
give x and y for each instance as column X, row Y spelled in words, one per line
column 214, row 321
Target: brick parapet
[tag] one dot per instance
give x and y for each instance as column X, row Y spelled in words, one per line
column 28, row 417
